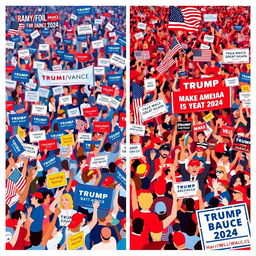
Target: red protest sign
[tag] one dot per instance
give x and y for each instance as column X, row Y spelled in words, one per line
column 108, row 90
column 106, row 14
column 9, row 105
column 50, row 144
column 53, row 17
column 200, row 127
column 187, row 102
column 9, row 69
column 201, row 83
column 226, row 131
column 83, row 57
column 91, row 112
column 122, row 119
column 101, row 127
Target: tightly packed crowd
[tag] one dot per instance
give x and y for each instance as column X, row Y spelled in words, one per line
column 65, row 122
column 193, row 147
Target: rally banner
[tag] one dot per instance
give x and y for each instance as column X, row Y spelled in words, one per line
column 32, row 96
column 135, row 151
column 83, row 136
column 18, row 119
column 210, row 17
column 40, row 120
column 114, row 79
column 186, row 189
column 242, row 144
column 66, row 77
column 9, row 105
column 73, row 112
column 91, row 112
column 84, row 10
column 122, row 119
column 184, row 126
column 117, row 60
column 245, row 77
column 150, row 84
column 36, row 136
column 108, row 90
column 99, row 70
column 56, row 180
column 20, row 76
column 103, row 62
column 225, row 227
column 84, row 29
column 200, row 127
column 55, row 135
column 115, row 136
column 227, row 131
column 232, row 81
column 15, row 146
column 40, row 110
column 49, row 162
column 235, row 56
column 67, row 140
column 67, row 124
column 113, row 49
column 50, row 144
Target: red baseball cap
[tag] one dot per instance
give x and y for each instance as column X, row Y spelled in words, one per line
column 157, row 140
column 199, row 149
column 37, row 195
column 240, row 129
column 178, row 238
column 108, row 181
column 194, row 162
column 118, row 161
column 76, row 220
column 224, row 182
column 123, row 221
column 240, row 189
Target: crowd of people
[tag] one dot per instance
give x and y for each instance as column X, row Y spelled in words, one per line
column 161, row 219
column 64, row 139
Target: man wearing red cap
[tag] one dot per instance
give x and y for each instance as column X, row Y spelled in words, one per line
column 179, row 241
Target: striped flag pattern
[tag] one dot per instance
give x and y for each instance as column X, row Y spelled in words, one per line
column 168, row 60
column 202, row 55
column 15, row 28
column 80, row 125
column 137, row 94
column 185, row 18
column 18, row 179
column 10, row 191
column 142, row 55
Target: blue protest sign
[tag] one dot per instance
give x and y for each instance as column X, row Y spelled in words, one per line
column 113, row 49
column 60, row 52
column 40, row 120
column 28, row 30
column 119, row 33
column 205, row 29
column 238, row 27
column 182, row 73
column 120, row 177
column 15, row 146
column 223, row 228
column 87, row 145
column 121, row 40
column 67, row 41
column 114, row 79
column 68, row 57
column 245, row 77
column 84, row 10
column 21, row 75
column 160, row 48
column 49, row 162
column 85, row 195
column 18, row 119
column 32, row 49
column 55, row 135
column 115, row 136
column 45, row 32
column 15, row 39
column 81, row 38
column 67, row 124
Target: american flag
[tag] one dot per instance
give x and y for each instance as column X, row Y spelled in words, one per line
column 80, row 125
column 168, row 60
column 15, row 28
column 17, row 178
column 185, row 18
column 142, row 55
column 202, row 55
column 137, row 94
column 10, row 191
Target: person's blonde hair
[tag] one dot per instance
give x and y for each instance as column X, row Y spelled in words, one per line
column 223, row 169
column 70, row 201
column 145, row 200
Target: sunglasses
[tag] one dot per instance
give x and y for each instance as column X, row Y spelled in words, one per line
column 236, row 192
column 219, row 172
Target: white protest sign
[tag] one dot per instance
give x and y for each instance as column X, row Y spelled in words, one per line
column 103, row 62
column 209, row 131
column 14, row 61
column 10, row 84
column 98, row 21
column 135, row 150
column 225, row 227
column 112, row 34
column 122, row 150
column 235, row 56
column 9, row 44
column 58, row 34
column 73, row 112
column 114, row 103
column 205, row 46
column 103, row 100
column 31, row 96
column 246, row 103
column 139, row 35
column 208, row 38
column 136, row 129
column 56, row 67
column 65, row 100
column 73, row 17
column 39, row 110
column 152, row 109
column 57, row 90
column 35, row 34
column 109, row 26
column 142, row 25
column 232, row 81
column 83, row 136
column 186, row 189
column 30, row 150
column 99, row 162
column 99, row 70
column 38, row 65
column 97, row 44
column 244, row 96
column 31, row 85
column 43, row 92
column 117, row 60
column 84, row 44
column 37, row 136
column 43, row 47
column 84, row 29
column 150, row 84
column 210, row 17
column 23, row 54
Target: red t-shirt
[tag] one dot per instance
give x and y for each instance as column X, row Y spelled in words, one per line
column 137, row 242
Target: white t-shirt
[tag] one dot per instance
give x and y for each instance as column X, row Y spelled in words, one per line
column 111, row 245
column 226, row 166
column 53, row 243
column 66, row 216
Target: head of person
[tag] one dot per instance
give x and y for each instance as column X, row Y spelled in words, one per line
column 87, row 175
column 160, row 187
column 105, row 234
column 137, row 225
column 66, row 201
column 222, row 185
column 221, row 173
column 190, row 204
column 225, row 157
column 191, row 228
column 141, row 170
column 179, row 240
column 194, row 166
column 200, row 136
column 239, row 193
column 77, row 221
column 160, row 210
column 164, row 151
column 145, row 200
column 37, row 198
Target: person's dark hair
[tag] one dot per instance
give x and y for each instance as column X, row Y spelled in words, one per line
column 16, row 215
column 112, row 167
column 137, row 225
column 65, row 164
column 41, row 180
column 35, row 238
column 170, row 247
column 122, row 203
column 81, row 158
column 214, row 202
column 107, row 146
column 7, row 209
column 190, row 204
column 191, row 228
column 198, row 245
column 176, row 227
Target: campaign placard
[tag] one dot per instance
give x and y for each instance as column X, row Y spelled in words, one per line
column 122, row 119
column 43, row 92
column 135, row 151
column 152, row 109
column 55, row 135
column 56, row 67
column 67, row 124
column 225, row 227
column 65, row 100
column 29, row 150
column 101, row 127
column 114, row 79
column 18, row 119
column 50, row 144
column 9, row 105
column 97, row 44
column 139, row 35
column 242, row 144
column 85, row 195
column 232, row 81
column 35, row 34
column 117, row 60
column 150, row 84
column 136, row 129
column 38, row 65
column 245, row 77
column 57, row 90
column 208, row 38
column 122, row 150
column 141, row 25
column 44, row 47
column 211, row 17
column 9, row 44
column 73, row 112
column 98, row 162
column 40, row 110
column 226, row 131
column 184, row 126
column 114, row 103
column 109, row 26
column 76, row 241
column 113, row 49
column 186, row 189
column 10, row 84
column 122, row 41
column 84, row 136
column 115, row 136
column 56, row 180
column 84, row 29
column 120, row 177
column 49, row 162
column 32, row 96
column 112, row 34
column 23, row 54
column 205, row 46
column 244, row 96
column 108, row 90
column 208, row 117
column 36, row 136
column 235, row 56
column 40, row 120
column 103, row 100
column 21, row 75
column 84, row 10
column 200, row 127
column 99, row 71
column 67, row 140
column 15, row 146
column 245, row 88
column 91, row 112
column 103, row 62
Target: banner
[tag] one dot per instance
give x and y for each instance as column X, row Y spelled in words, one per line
column 67, row 140
column 186, row 189
column 84, row 10
column 99, row 71
column 120, row 177
column 226, row 131
column 101, row 127
column 73, row 112
column 225, row 227
column 150, row 84
column 113, row 49
column 98, row 162
column 18, row 119
column 85, row 195
column 115, row 136
column 50, row 144
column 103, row 62
column 32, row 96
column 91, row 112
column 210, row 17
column 114, row 79
column 40, row 120
column 9, row 105
column 76, row 241
column 40, row 110
column 97, row 44
column 200, row 127
column 184, row 126
column 108, row 90
column 43, row 92
column 135, row 151
column 55, row 135
column 36, row 136
column 83, row 76
column 136, row 129
column 15, row 146
column 122, row 41
column 117, row 60
column 29, row 150
column 245, row 77
column 21, row 76
column 235, row 56
column 67, row 124
column 56, row 180
column 241, row 144
column 83, row 136
column 49, row 163
column 10, row 84
column 232, row 81
column 84, row 29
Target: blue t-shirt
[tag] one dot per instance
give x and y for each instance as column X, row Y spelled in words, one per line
column 37, row 215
